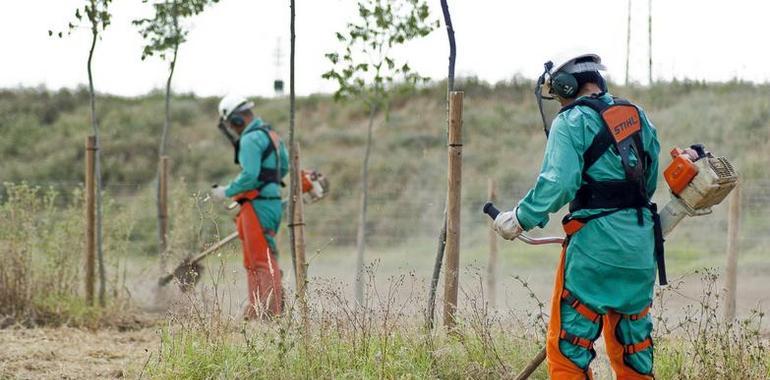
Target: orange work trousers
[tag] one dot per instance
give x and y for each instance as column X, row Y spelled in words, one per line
column 262, row 270
column 560, row 367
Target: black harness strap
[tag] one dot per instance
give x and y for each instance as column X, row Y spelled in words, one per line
column 266, row 175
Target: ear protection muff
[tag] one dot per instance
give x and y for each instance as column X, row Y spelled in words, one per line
column 236, row 120
column 564, row 85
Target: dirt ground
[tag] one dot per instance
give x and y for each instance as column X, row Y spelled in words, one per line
column 68, row 353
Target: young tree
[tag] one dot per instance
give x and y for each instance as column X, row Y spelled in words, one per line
column 366, row 71
column 164, row 33
column 96, row 13
column 292, row 108
column 450, row 85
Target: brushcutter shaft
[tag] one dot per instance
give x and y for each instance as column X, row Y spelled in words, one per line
column 167, row 278
column 493, row 212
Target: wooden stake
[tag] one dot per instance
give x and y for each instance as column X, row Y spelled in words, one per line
column 163, row 207
column 733, row 230
column 454, row 185
column 298, row 227
column 492, row 264
column 90, row 218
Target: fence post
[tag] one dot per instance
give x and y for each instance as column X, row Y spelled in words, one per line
column 454, row 184
column 90, row 219
column 163, row 207
column 492, row 264
column 733, row 230
column 298, row 227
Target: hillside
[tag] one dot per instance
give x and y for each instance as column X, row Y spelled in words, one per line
column 43, row 134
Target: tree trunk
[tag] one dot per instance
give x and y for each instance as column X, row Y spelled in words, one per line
column 293, row 183
column 361, row 233
column 97, row 167
column 162, row 214
column 450, row 83
column 436, row 273
column 628, row 39
column 452, row 47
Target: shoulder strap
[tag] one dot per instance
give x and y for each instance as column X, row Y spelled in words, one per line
column 275, row 141
column 270, row 175
column 602, row 141
column 593, row 102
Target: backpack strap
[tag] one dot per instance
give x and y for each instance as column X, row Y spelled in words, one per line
column 266, row 175
column 602, row 141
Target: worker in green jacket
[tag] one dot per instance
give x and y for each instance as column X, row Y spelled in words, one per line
column 264, row 162
column 602, row 159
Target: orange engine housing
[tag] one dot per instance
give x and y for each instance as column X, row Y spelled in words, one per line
column 680, row 172
column 307, row 185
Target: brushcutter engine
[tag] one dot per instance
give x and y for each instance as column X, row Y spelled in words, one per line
column 696, row 184
column 314, row 186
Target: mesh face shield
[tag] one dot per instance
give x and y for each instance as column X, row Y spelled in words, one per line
column 540, row 87
column 231, row 137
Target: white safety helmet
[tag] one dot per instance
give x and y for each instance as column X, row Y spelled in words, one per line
column 567, row 64
column 587, row 62
column 558, row 79
column 231, row 104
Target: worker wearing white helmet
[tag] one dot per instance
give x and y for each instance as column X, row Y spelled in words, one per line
column 602, row 159
column 264, row 162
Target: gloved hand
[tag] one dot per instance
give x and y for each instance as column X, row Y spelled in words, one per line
column 507, row 225
column 218, row 192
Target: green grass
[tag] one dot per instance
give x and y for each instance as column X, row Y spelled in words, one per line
column 263, row 351
column 260, row 351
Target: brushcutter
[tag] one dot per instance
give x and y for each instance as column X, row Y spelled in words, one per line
column 697, row 181
column 315, row 187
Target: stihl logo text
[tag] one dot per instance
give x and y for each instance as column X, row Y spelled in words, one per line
column 624, row 125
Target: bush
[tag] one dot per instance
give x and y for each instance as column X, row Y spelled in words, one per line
column 41, row 248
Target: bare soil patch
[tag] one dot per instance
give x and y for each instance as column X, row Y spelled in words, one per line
column 70, row 353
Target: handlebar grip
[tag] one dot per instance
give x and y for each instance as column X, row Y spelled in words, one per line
column 491, row 210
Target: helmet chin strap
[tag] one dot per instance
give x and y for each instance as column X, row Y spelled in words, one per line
column 539, row 94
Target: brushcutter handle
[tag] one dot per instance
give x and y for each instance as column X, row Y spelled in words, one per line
column 493, row 212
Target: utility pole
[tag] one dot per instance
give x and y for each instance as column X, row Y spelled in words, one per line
column 278, row 61
column 628, row 39
column 649, row 35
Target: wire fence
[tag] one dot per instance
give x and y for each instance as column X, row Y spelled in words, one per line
column 398, row 218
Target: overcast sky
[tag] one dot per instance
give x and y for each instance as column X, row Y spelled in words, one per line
column 231, row 47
